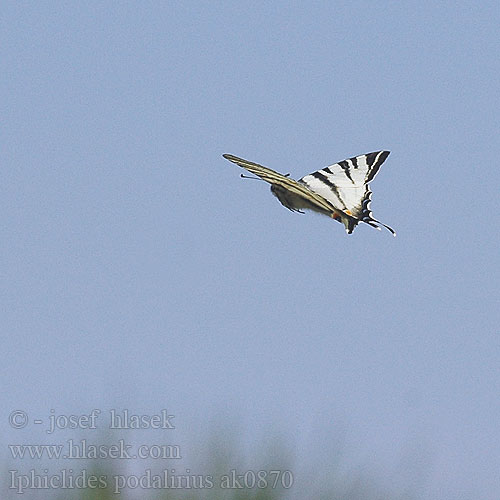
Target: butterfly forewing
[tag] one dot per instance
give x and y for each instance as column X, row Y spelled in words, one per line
column 345, row 184
column 288, row 184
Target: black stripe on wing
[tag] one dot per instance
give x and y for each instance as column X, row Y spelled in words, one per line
column 374, row 162
column 325, row 180
column 345, row 166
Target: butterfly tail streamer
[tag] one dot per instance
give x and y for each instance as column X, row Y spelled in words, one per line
column 374, row 223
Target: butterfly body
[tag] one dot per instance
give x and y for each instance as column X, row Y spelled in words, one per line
column 340, row 191
column 297, row 203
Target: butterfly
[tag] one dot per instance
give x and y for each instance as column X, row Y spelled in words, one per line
column 340, row 191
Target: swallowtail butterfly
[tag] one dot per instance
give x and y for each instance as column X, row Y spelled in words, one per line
column 340, row 191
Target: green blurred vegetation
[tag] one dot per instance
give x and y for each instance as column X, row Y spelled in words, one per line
column 217, row 456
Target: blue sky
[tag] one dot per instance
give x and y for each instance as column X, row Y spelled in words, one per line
column 139, row 271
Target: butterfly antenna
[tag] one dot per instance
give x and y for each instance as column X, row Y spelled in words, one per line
column 243, row 176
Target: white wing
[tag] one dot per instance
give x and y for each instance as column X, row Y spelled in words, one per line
column 345, row 184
